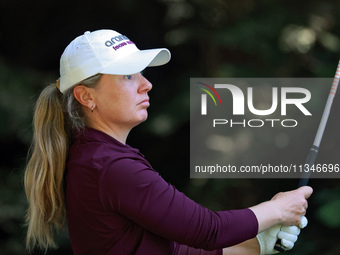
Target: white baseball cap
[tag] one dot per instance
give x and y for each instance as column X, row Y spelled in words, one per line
column 106, row 52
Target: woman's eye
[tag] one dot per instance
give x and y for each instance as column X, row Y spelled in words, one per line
column 129, row 77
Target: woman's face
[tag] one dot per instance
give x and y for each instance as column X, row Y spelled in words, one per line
column 121, row 101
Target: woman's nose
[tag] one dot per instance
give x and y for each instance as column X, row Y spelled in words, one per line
column 145, row 85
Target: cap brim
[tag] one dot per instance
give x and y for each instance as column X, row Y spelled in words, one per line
column 138, row 61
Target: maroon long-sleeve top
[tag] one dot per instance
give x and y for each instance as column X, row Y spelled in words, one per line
column 118, row 204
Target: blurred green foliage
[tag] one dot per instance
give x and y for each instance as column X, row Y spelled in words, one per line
column 328, row 211
column 207, row 38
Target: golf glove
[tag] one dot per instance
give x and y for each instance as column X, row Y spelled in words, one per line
column 288, row 235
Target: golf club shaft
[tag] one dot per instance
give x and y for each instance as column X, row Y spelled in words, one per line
column 315, row 148
column 313, row 152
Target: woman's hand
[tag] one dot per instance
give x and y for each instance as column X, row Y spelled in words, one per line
column 285, row 208
column 292, row 205
column 288, row 235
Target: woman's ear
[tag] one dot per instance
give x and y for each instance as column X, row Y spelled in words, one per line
column 84, row 95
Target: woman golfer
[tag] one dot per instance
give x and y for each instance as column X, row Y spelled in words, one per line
column 115, row 203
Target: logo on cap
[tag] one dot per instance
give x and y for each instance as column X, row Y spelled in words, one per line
column 118, row 39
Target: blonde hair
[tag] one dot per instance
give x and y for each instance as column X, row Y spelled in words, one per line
column 56, row 116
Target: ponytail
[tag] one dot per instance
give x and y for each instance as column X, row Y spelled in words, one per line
column 45, row 170
column 56, row 116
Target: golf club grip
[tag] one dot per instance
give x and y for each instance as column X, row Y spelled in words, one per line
column 309, row 164
column 303, row 182
column 278, row 246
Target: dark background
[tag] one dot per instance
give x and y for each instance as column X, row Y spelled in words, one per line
column 207, row 38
